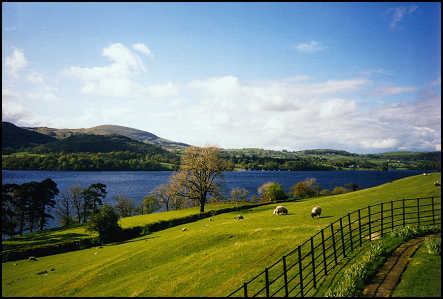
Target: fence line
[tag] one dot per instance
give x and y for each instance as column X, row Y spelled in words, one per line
column 319, row 254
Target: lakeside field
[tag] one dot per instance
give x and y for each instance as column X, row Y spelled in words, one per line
column 77, row 232
column 210, row 258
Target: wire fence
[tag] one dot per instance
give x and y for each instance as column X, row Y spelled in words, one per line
column 299, row 272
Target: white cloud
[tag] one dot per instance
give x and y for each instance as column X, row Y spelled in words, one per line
column 380, row 143
column 293, row 113
column 115, row 79
column 35, row 78
column 379, row 71
column 142, row 48
column 399, row 13
column 393, row 90
column 310, row 47
column 15, row 62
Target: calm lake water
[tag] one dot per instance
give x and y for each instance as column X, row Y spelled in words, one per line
column 137, row 184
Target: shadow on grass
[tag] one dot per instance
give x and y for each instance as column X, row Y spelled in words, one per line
column 42, row 239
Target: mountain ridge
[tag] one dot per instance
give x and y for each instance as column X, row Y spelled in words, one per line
column 139, row 135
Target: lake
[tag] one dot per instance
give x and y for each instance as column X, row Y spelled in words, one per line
column 137, row 184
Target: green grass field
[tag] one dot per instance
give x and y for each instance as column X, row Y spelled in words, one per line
column 77, row 232
column 422, row 277
column 211, row 258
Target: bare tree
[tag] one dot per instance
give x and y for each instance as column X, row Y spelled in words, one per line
column 165, row 195
column 124, row 205
column 64, row 208
column 200, row 174
column 239, row 194
column 76, row 193
column 150, row 203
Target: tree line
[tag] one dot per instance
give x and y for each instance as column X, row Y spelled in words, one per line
column 26, row 207
column 88, row 161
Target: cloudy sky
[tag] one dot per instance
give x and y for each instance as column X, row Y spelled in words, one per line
column 361, row 77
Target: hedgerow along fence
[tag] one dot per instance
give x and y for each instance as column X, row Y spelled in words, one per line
column 299, row 272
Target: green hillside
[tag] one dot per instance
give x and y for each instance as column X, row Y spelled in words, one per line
column 14, row 137
column 92, row 152
column 210, row 258
column 86, row 143
column 142, row 136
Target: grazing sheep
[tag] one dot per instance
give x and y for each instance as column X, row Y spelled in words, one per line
column 184, row 229
column 316, row 211
column 42, row 272
column 32, row 258
column 280, row 210
column 238, row 217
column 210, row 219
column 437, row 183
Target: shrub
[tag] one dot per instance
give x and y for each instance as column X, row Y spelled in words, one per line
column 271, row 191
column 306, row 189
column 325, row 192
column 239, row 194
column 105, row 222
column 339, row 190
column 433, row 245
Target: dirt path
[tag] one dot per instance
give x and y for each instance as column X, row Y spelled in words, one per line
column 388, row 276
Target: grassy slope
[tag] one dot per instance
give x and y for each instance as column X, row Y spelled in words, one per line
column 209, row 259
column 80, row 232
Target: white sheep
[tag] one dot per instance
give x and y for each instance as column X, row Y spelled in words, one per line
column 280, row 210
column 316, row 211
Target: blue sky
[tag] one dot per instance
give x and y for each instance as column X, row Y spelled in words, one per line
column 363, row 77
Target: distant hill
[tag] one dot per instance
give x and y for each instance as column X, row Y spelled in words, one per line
column 326, row 152
column 15, row 137
column 87, row 143
column 142, row 136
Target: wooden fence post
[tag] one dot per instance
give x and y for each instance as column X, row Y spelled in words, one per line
column 359, row 226
column 392, row 215
column 267, row 281
column 403, row 206
column 245, row 288
column 342, row 237
column 418, row 211
column 381, row 218
column 433, row 212
column 313, row 262
column 369, row 219
column 333, row 243
column 285, row 276
column 324, row 251
column 350, row 231
column 300, row 269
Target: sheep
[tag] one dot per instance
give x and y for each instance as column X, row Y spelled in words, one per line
column 238, row 217
column 32, row 258
column 316, row 211
column 280, row 210
column 437, row 183
column 184, row 229
column 42, row 272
